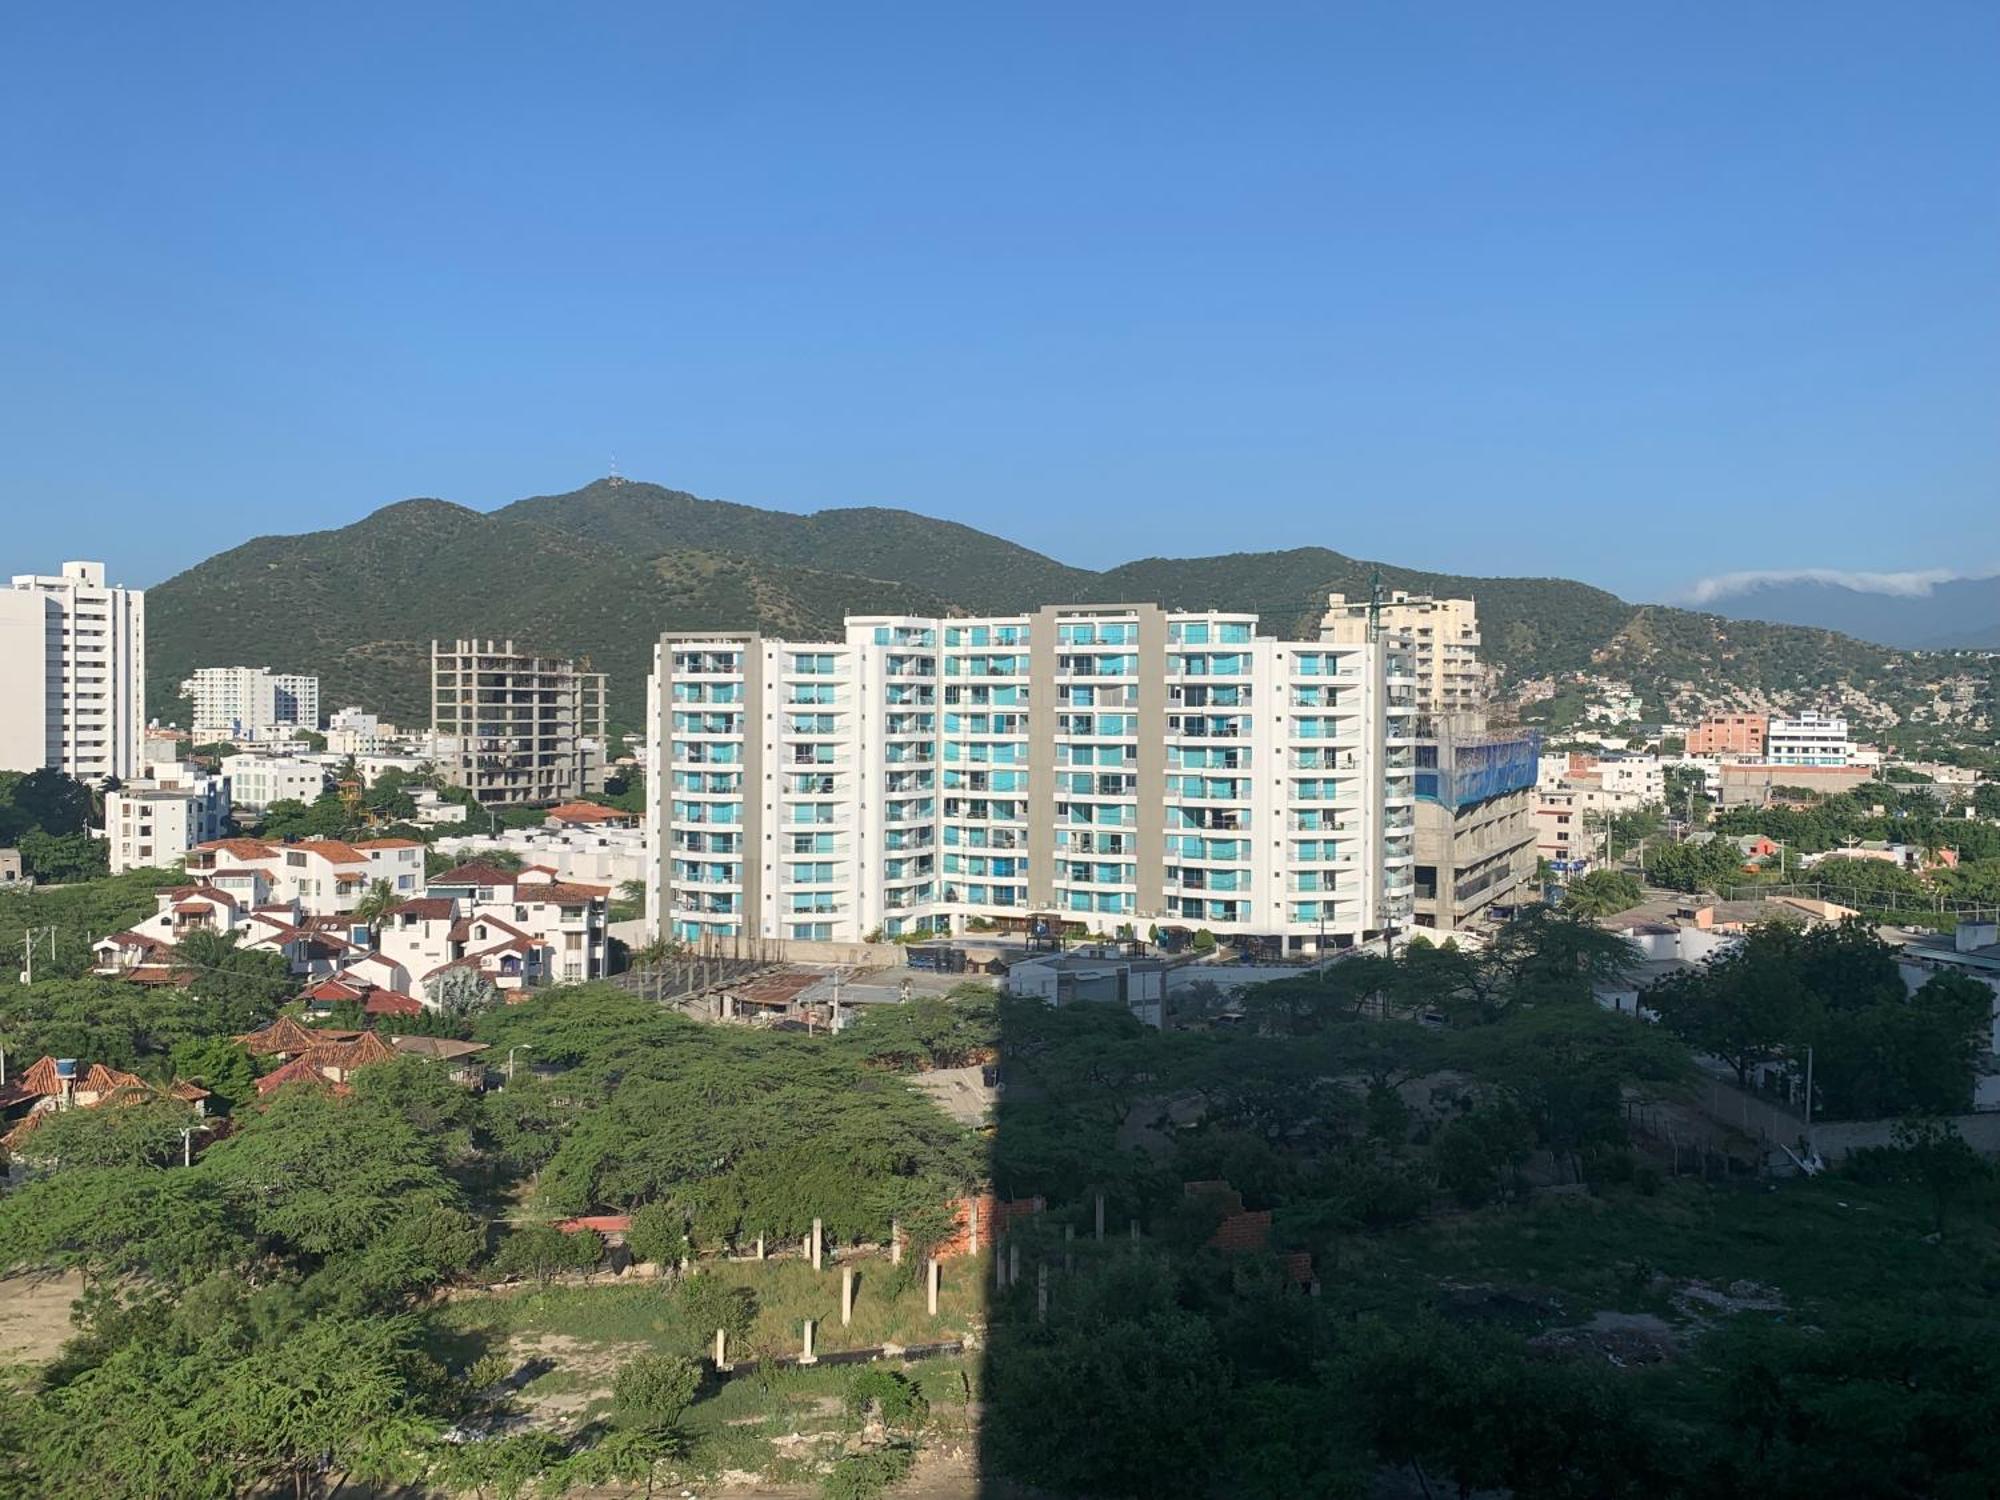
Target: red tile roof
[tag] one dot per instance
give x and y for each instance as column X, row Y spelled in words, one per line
column 334, row 850
column 283, row 1035
column 242, row 848
column 426, row 908
column 337, row 990
column 602, row 1223
column 392, row 1003
column 299, row 1070
column 474, row 874
column 130, row 939
column 103, row 1080
column 461, row 930
column 560, row 893
column 587, row 812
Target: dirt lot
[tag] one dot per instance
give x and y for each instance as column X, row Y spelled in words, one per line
column 34, row 1316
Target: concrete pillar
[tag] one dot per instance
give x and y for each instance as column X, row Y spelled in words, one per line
column 846, row 1295
column 895, row 1243
column 973, row 1206
column 722, row 1348
column 935, row 1276
column 760, row 1247
column 1100, row 1218
column 806, row 1356
column 1013, row 1264
column 818, row 1245
column 1000, row 1267
column 1042, row 1294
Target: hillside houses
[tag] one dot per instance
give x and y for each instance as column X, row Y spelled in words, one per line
column 517, row 929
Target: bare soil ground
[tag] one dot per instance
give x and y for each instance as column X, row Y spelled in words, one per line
column 34, row 1316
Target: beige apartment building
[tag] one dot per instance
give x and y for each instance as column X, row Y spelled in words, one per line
column 1444, row 634
column 517, row 729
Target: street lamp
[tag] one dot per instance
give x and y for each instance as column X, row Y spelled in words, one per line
column 517, row 1047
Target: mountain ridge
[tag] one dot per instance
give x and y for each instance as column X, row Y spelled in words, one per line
column 1950, row 613
column 601, row 570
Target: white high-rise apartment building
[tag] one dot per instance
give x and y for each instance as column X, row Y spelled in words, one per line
column 1116, row 766
column 72, row 674
column 1444, row 643
column 251, row 703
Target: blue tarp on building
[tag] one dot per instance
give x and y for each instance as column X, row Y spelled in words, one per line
column 1460, row 773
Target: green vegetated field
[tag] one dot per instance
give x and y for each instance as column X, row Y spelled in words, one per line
column 601, row 571
column 1515, row 1293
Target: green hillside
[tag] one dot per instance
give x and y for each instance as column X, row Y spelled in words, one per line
column 601, row 571
column 360, row 605
column 984, row 572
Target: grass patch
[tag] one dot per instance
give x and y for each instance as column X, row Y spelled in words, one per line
column 785, row 1294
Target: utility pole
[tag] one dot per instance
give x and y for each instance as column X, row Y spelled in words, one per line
column 29, row 937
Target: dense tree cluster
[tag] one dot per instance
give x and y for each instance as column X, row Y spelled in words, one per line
column 1369, row 1109
column 1877, row 1048
column 742, row 1132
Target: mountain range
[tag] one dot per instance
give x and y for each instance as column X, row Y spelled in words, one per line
column 1927, row 615
column 602, row 570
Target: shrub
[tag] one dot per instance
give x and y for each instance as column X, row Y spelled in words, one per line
column 706, row 1304
column 901, row 1403
column 544, row 1251
column 862, row 1476
column 650, row 1392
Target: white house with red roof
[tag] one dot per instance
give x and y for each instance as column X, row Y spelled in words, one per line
column 327, row 877
column 565, row 917
column 520, row 929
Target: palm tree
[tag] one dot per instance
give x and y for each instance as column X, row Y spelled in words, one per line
column 380, row 900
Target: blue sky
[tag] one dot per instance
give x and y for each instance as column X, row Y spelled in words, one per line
column 1638, row 293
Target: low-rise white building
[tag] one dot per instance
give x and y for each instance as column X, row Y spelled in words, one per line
column 154, row 820
column 1810, row 739
column 591, row 855
column 256, row 781
column 326, row 877
column 1094, row 976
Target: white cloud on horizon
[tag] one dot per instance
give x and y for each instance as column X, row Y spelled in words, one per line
column 1915, row 584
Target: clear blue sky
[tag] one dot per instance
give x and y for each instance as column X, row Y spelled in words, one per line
column 1630, row 292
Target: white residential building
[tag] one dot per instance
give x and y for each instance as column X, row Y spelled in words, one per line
column 355, row 731
column 589, row 856
column 153, row 823
column 256, row 781
column 72, row 674
column 251, row 703
column 1811, row 739
column 325, row 877
column 1104, row 766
